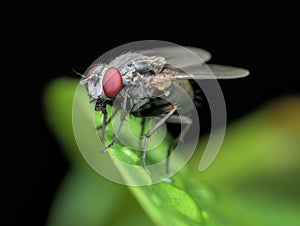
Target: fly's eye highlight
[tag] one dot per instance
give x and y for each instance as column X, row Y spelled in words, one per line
column 112, row 82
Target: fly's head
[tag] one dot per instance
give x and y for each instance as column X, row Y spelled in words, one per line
column 103, row 83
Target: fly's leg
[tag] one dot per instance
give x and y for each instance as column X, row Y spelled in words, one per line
column 153, row 129
column 143, row 124
column 177, row 119
column 101, row 106
column 122, row 120
column 107, row 121
column 104, row 122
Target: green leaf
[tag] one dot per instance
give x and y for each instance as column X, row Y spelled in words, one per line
column 168, row 204
column 252, row 182
column 84, row 197
column 165, row 202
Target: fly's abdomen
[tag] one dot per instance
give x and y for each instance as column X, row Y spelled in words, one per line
column 181, row 95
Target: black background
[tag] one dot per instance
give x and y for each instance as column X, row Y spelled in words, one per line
column 51, row 40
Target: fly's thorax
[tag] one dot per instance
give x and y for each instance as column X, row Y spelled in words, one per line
column 128, row 72
column 139, row 93
column 154, row 64
column 181, row 95
column 158, row 63
column 131, row 64
column 127, row 64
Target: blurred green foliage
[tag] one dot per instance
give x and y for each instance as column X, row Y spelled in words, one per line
column 253, row 181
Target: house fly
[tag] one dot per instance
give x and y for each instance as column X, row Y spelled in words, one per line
column 145, row 81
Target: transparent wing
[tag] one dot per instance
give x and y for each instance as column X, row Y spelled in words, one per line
column 176, row 55
column 202, row 53
column 227, row 72
column 179, row 56
column 210, row 71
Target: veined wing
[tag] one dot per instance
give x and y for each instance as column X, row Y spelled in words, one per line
column 179, row 56
column 210, row 71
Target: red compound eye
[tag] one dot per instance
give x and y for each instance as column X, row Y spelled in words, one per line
column 112, row 82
